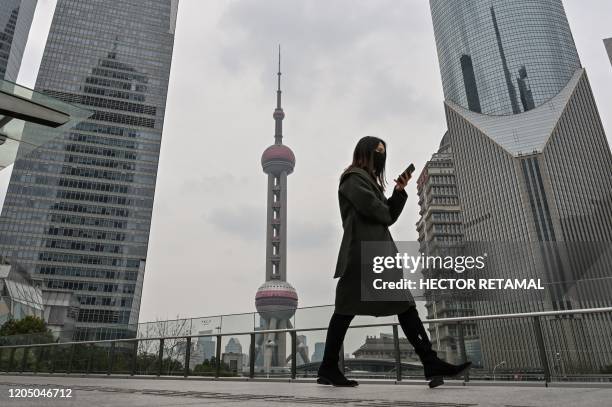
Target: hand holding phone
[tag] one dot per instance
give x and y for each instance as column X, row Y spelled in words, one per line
column 403, row 178
column 408, row 171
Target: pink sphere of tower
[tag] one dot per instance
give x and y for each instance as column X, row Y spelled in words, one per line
column 276, row 298
column 278, row 158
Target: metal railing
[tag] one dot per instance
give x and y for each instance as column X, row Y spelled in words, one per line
column 146, row 329
column 42, row 348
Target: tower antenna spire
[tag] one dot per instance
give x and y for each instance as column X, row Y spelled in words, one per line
column 278, row 91
column 279, row 115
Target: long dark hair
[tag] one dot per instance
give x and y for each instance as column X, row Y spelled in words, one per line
column 363, row 157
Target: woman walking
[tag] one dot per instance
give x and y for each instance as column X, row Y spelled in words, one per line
column 366, row 216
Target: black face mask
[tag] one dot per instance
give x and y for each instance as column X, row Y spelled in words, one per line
column 379, row 161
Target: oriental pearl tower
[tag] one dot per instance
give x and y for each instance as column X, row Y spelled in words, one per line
column 276, row 300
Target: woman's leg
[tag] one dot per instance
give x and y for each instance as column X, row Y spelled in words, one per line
column 434, row 368
column 329, row 373
column 415, row 332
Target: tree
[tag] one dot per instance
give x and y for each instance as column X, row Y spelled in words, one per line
column 209, row 367
column 174, row 349
column 31, row 325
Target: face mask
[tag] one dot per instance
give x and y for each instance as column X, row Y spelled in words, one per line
column 379, row 161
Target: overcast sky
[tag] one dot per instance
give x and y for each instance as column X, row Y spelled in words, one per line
column 350, row 69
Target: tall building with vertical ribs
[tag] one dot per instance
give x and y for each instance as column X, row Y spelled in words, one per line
column 276, row 300
column 78, row 210
column 532, row 164
column 608, row 45
column 15, row 22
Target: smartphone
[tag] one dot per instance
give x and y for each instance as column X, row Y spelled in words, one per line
column 408, row 171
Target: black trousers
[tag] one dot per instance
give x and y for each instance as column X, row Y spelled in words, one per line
column 409, row 321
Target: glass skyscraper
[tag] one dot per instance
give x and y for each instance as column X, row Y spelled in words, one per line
column 78, row 210
column 15, row 21
column 608, row 45
column 532, row 167
column 503, row 57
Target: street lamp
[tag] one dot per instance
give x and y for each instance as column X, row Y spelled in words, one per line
column 503, row 362
column 561, row 363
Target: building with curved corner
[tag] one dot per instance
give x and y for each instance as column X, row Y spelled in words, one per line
column 503, row 57
column 532, row 165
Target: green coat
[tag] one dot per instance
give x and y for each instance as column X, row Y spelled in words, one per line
column 366, row 216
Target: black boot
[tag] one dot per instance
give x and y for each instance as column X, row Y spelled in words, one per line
column 332, row 375
column 435, row 369
column 329, row 372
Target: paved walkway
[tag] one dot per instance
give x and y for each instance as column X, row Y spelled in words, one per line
column 152, row 392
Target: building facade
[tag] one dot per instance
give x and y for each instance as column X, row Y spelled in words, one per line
column 15, row 22
column 78, row 210
column 440, row 231
column 532, row 166
column 383, row 348
column 233, row 346
column 203, row 349
column 61, row 310
column 235, row 362
column 317, row 355
column 302, row 355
